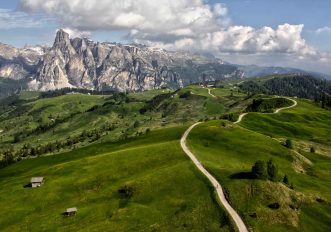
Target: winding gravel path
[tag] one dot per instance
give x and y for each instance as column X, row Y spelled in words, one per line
column 235, row 216
column 209, row 92
column 295, row 103
column 240, row 118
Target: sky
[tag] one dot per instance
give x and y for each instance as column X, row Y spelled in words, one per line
column 289, row 33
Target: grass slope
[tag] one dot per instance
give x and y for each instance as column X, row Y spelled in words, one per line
column 169, row 193
column 74, row 113
column 305, row 122
column 229, row 153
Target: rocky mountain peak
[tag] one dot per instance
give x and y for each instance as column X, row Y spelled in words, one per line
column 8, row 52
column 61, row 38
column 82, row 63
column 63, row 44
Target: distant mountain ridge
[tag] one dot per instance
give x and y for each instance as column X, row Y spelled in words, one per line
column 85, row 64
column 260, row 71
column 82, row 63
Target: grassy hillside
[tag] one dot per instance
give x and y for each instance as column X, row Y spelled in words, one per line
column 306, row 122
column 48, row 123
column 230, row 151
column 117, row 158
column 164, row 190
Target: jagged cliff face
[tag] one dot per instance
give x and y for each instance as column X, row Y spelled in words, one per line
column 81, row 63
column 18, row 64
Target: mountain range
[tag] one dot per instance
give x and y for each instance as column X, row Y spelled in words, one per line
column 85, row 64
column 82, row 63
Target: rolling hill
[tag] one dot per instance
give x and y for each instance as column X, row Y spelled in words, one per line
column 229, row 152
column 117, row 158
column 144, row 184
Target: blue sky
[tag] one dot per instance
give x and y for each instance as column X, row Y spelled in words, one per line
column 8, row 4
column 313, row 14
column 258, row 13
column 39, row 26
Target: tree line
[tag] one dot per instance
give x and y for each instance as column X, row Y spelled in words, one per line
column 302, row 86
column 10, row 156
column 268, row 105
column 64, row 91
column 268, row 171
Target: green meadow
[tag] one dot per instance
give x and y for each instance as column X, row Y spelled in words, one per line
column 167, row 193
column 134, row 175
column 71, row 114
column 307, row 122
column 229, row 151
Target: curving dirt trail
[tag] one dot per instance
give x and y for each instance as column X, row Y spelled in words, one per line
column 235, row 216
column 295, row 103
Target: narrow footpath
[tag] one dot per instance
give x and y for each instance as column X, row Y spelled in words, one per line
column 295, row 103
column 209, row 92
column 234, row 215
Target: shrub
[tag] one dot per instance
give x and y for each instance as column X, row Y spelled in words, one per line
column 262, row 171
column 126, row 191
column 136, row 124
column 185, row 94
column 275, row 205
column 320, row 200
column 17, row 138
column 289, row 143
column 285, row 180
column 231, row 117
column 259, row 170
column 272, row 171
column 253, row 215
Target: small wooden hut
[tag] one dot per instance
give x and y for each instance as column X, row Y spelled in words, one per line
column 71, row 211
column 37, row 181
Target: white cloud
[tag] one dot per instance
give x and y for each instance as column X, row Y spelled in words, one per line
column 143, row 15
column 10, row 19
column 239, row 39
column 323, row 30
column 173, row 24
column 74, row 33
column 178, row 24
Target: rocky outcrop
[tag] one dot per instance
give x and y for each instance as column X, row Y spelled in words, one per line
column 18, row 64
column 82, row 63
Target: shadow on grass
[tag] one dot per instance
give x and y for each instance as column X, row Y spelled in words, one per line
column 243, row 175
column 66, row 214
column 27, row 186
